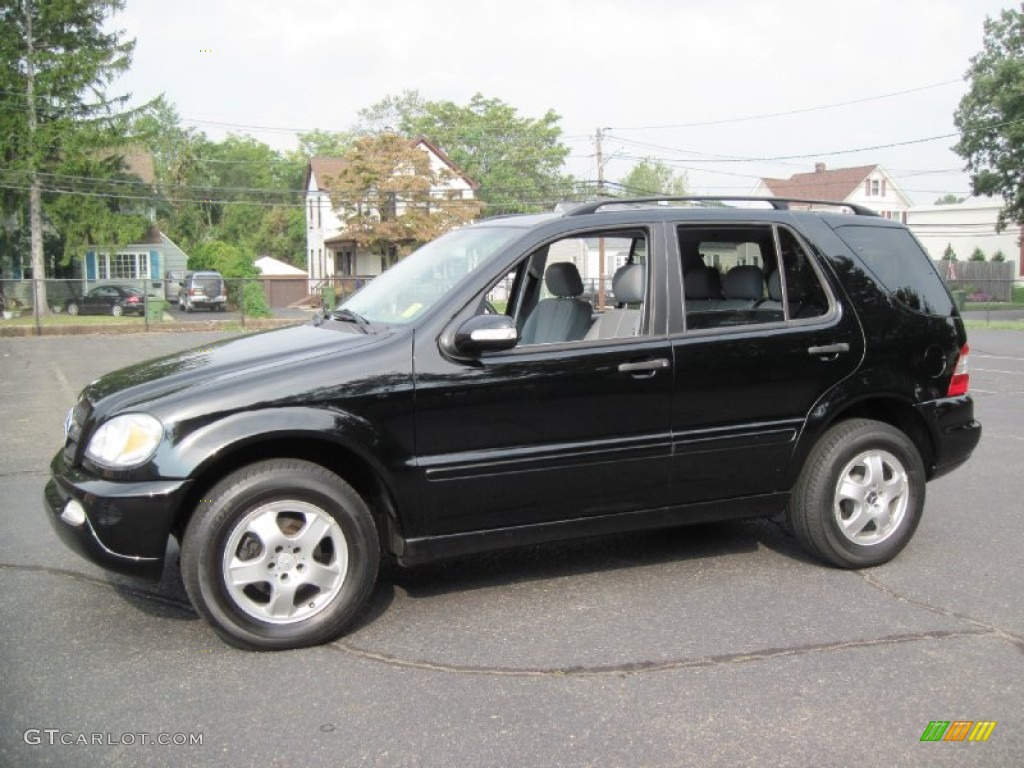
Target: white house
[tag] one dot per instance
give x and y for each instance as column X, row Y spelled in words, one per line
column 966, row 226
column 330, row 254
column 867, row 185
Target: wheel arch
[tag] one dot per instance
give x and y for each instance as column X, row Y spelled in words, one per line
column 332, row 455
column 888, row 409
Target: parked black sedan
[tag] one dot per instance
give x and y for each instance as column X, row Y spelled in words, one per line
column 113, row 300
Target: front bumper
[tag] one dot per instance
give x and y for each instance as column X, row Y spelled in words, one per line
column 126, row 524
column 954, row 430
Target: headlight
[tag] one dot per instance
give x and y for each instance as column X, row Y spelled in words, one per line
column 125, row 441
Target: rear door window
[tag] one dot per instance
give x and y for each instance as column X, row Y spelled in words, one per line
column 900, row 264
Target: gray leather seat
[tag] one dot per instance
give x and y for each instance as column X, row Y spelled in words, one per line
column 628, row 286
column 702, row 285
column 563, row 318
column 743, row 287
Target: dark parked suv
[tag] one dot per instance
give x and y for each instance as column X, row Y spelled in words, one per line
column 749, row 361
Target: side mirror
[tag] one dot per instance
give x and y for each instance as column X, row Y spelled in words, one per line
column 486, row 333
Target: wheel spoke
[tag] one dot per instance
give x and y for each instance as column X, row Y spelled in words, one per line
column 856, row 522
column 266, row 529
column 245, row 572
column 282, row 599
column 324, row 577
column 312, row 533
column 851, row 488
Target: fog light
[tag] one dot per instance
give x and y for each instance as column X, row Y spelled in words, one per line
column 73, row 514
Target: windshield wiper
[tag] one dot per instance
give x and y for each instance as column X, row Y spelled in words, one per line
column 348, row 316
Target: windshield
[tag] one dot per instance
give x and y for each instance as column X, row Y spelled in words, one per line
column 421, row 279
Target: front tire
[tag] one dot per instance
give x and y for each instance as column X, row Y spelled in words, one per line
column 73, row 309
column 280, row 554
column 860, row 495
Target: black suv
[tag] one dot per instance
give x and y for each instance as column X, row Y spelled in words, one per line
column 743, row 362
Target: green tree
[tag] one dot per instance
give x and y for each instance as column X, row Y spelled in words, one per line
column 949, row 254
column 391, row 114
column 56, row 59
column 384, row 196
column 977, row 255
column 516, row 161
column 653, row 177
column 998, row 256
column 949, row 199
column 990, row 116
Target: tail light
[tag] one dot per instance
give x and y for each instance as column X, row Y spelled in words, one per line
column 133, row 299
column 961, row 381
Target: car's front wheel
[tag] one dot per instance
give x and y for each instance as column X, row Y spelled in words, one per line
column 73, row 308
column 860, row 495
column 280, row 554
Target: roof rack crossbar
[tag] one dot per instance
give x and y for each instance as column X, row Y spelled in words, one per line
column 778, row 203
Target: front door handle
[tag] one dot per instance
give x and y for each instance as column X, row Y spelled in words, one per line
column 647, row 366
column 829, row 349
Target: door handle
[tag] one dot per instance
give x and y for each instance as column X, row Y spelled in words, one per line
column 645, row 366
column 829, row 349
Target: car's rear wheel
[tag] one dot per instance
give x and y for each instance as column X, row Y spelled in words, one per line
column 117, row 310
column 860, row 495
column 73, row 308
column 280, row 554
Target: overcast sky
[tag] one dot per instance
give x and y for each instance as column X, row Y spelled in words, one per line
column 648, row 71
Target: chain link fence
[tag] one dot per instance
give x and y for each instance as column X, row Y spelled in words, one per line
column 76, row 305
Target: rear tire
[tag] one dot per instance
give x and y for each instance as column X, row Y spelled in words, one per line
column 860, row 495
column 117, row 310
column 280, row 554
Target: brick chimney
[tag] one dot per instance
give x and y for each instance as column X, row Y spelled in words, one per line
column 819, row 167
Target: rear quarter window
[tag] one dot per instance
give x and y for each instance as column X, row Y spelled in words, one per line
column 901, row 265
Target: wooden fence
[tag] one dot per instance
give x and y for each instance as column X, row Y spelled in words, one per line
column 980, row 280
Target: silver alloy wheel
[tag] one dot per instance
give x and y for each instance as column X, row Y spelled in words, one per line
column 871, row 497
column 285, row 561
column 72, row 309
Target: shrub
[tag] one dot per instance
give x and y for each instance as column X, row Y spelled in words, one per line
column 978, row 255
column 254, row 302
column 999, row 256
column 949, row 254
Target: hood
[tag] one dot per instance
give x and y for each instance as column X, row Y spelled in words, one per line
column 249, row 356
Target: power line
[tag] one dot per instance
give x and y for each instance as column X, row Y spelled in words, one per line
column 786, row 113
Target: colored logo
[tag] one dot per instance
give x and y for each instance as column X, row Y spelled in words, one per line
column 958, row 730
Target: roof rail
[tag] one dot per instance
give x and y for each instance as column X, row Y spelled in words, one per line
column 778, row 203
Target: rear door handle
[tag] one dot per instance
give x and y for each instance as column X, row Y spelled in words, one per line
column 829, row 349
column 647, row 366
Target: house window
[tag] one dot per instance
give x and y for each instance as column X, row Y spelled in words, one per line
column 122, row 266
column 883, row 187
column 875, row 187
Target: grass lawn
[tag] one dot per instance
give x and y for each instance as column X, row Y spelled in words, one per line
column 102, row 320
column 995, row 325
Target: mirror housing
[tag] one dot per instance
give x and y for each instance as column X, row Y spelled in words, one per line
column 486, row 333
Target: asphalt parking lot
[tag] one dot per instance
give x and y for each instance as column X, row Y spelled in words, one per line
column 713, row 645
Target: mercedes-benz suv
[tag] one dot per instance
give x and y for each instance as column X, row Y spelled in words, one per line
column 772, row 358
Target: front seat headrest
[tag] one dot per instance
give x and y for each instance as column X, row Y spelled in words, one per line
column 563, row 279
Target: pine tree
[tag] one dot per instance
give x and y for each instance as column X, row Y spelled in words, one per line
column 56, row 60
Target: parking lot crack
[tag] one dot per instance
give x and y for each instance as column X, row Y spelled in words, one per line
column 668, row 665
column 1010, row 637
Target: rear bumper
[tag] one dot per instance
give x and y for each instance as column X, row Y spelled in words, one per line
column 955, row 432
column 126, row 525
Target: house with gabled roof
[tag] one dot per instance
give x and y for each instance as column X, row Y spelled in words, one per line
column 330, row 253
column 867, row 185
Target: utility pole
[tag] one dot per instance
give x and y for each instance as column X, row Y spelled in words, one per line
column 599, row 135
